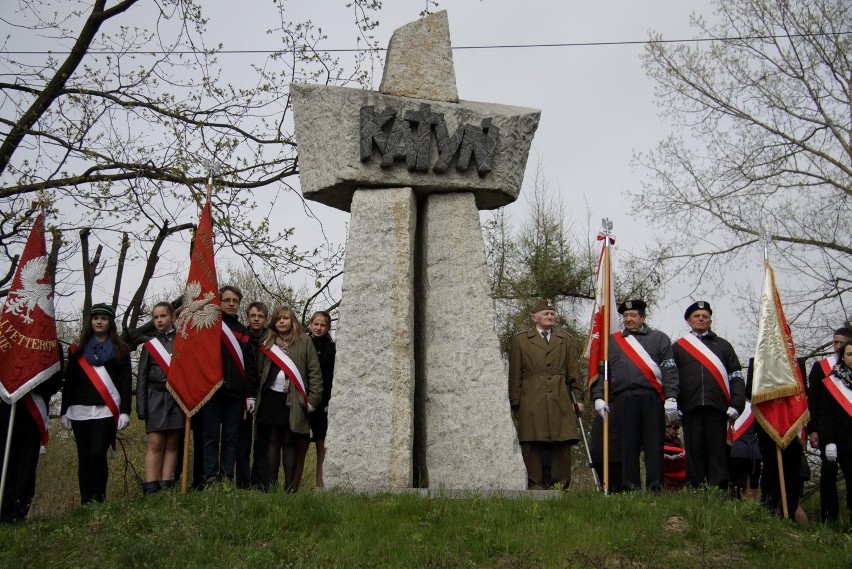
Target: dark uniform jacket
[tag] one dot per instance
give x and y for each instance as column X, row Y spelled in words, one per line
column 151, row 374
column 815, row 389
column 326, row 351
column 835, row 423
column 698, row 387
column 540, row 374
column 234, row 384
column 626, row 379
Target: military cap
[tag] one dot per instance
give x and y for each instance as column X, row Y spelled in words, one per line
column 541, row 304
column 102, row 308
column 698, row 305
column 635, row 304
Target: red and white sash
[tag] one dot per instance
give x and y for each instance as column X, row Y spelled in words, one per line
column 35, row 405
column 100, row 378
column 234, row 348
column 699, row 350
column 827, row 365
column 288, row 366
column 641, row 359
column 158, row 351
column 840, row 392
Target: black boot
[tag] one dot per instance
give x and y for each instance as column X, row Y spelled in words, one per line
column 167, row 484
column 149, row 488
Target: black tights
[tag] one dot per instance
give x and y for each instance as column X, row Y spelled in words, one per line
column 93, row 438
column 280, row 439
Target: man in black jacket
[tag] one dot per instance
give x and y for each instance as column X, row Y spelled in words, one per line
column 712, row 394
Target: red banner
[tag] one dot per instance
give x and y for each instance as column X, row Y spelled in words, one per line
column 195, row 372
column 604, row 304
column 28, row 344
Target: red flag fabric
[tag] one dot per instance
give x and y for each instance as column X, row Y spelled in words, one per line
column 195, row 372
column 778, row 390
column 594, row 347
column 27, row 326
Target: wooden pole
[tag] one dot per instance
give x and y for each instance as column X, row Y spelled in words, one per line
column 604, row 339
column 184, row 478
column 784, row 509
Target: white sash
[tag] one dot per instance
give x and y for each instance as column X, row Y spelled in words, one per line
column 641, row 359
column 37, row 408
column 840, row 392
column 288, row 366
column 103, row 383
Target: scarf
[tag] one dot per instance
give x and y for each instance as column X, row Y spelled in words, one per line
column 844, row 374
column 98, row 353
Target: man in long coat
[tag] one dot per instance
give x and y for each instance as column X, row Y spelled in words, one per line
column 543, row 366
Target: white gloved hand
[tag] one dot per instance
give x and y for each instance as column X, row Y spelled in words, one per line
column 831, row 452
column 65, row 422
column 310, row 408
column 733, row 414
column 123, row 421
column 601, row 408
column 250, row 404
column 672, row 414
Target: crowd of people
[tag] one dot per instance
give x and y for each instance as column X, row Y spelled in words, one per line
column 655, row 386
column 257, row 421
column 277, row 379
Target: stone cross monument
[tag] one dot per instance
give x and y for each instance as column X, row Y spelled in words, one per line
column 420, row 393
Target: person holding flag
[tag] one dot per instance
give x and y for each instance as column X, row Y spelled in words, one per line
column 290, row 388
column 223, row 412
column 96, row 398
column 822, row 369
column 30, row 374
column 778, row 401
column 163, row 417
column 711, row 395
column 643, row 394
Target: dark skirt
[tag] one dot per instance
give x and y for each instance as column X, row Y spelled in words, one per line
column 164, row 414
column 273, row 409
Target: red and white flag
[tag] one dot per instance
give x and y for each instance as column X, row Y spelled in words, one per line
column 28, row 345
column 604, row 304
column 195, row 372
column 778, row 391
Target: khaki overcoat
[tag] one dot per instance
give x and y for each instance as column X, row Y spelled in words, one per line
column 539, row 375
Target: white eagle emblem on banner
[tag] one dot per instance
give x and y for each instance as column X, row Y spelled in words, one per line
column 32, row 293
column 196, row 311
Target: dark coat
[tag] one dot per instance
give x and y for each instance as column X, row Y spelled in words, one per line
column 835, row 424
column 234, row 383
column 151, row 374
column 698, row 387
column 539, row 376
column 625, row 377
column 78, row 389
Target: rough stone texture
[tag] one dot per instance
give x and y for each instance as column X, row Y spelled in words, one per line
column 465, row 438
column 327, row 121
column 419, row 62
column 371, row 415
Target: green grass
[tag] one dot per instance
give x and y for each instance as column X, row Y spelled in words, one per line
column 226, row 527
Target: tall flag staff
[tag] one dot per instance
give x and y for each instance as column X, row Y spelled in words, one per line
column 195, row 371
column 778, row 389
column 597, row 349
column 28, row 336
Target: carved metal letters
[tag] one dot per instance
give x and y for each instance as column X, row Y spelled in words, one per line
column 401, row 142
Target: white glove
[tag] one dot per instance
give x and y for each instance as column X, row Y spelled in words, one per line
column 733, row 414
column 250, row 403
column 831, row 452
column 672, row 414
column 65, row 422
column 601, row 408
column 123, row 421
column 310, row 408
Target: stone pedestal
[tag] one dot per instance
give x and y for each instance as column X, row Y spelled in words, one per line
column 465, row 435
column 371, row 416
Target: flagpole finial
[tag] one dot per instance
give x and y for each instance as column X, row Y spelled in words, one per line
column 765, row 240
column 213, row 170
column 606, row 224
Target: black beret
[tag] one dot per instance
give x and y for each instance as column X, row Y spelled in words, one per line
column 635, row 304
column 698, row 305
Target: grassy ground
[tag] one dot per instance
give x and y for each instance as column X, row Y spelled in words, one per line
column 226, row 527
